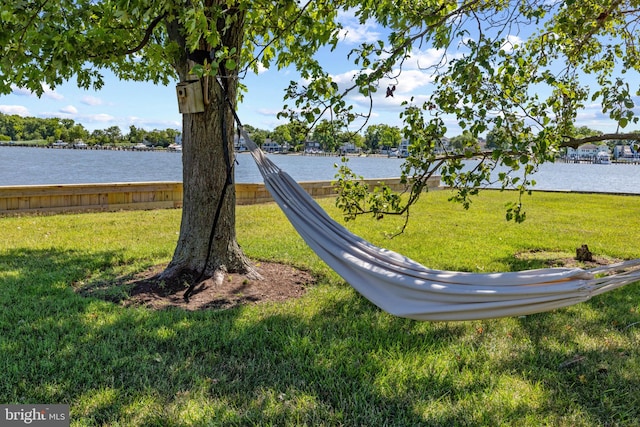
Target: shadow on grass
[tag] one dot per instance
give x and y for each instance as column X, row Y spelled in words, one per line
column 589, row 356
column 540, row 258
column 334, row 361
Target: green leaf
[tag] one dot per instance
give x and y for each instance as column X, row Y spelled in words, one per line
column 230, row 64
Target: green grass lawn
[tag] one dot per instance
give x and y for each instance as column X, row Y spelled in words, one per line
column 331, row 357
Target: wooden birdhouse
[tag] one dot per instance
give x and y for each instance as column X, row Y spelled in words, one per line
column 190, row 97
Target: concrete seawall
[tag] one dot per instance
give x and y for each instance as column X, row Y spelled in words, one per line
column 40, row 199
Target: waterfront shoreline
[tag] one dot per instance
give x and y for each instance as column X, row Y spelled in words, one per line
column 623, row 161
column 23, row 166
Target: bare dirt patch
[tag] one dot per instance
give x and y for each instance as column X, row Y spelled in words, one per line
column 563, row 259
column 279, row 282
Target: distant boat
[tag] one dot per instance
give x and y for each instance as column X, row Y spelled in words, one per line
column 603, row 158
column 60, row 144
column 174, row 147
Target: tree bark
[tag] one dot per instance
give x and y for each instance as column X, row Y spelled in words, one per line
column 207, row 152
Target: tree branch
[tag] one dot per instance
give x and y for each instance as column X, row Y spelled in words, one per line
column 576, row 142
column 33, row 17
column 147, row 35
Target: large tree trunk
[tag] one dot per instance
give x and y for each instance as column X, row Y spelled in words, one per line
column 207, row 152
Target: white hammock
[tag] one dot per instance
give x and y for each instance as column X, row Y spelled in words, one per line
column 405, row 288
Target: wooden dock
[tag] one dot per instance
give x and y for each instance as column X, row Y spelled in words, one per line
column 43, row 199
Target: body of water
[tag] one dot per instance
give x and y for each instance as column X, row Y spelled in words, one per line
column 34, row 166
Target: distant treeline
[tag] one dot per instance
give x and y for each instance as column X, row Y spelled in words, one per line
column 18, row 128
column 294, row 134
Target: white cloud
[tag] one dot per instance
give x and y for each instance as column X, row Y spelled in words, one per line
column 409, row 81
column 14, row 109
column 69, row 109
column 416, row 72
column 20, row 91
column 91, row 100
column 48, row 92
column 150, row 124
column 51, row 93
column 268, row 111
column 344, row 79
column 511, row 42
column 354, row 32
column 262, row 68
column 101, row 118
column 593, row 117
column 411, row 85
column 347, row 15
column 359, row 34
column 423, row 59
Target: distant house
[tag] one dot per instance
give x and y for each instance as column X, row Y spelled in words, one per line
column 587, row 151
column 403, row 149
column 626, row 151
column 271, row 147
column 441, row 147
column 349, row 147
column 239, row 144
column 312, row 147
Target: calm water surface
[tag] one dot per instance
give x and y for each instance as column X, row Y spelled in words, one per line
column 33, row 166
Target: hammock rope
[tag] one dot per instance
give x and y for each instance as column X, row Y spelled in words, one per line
column 405, row 288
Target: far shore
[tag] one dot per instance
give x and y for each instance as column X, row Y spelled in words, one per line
column 173, row 148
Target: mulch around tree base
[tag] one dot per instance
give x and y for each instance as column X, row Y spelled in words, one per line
column 279, row 282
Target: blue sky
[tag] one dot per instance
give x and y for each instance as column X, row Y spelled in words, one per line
column 144, row 105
